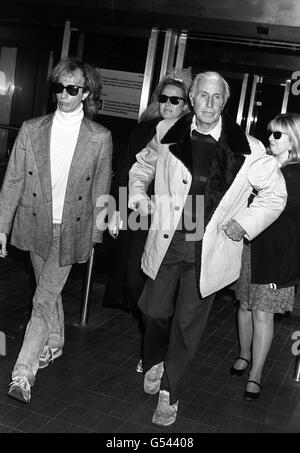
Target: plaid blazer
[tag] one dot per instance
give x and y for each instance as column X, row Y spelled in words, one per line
column 26, row 195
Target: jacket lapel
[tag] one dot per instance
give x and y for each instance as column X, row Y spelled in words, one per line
column 178, row 138
column 234, row 135
column 232, row 141
column 41, row 148
column 79, row 160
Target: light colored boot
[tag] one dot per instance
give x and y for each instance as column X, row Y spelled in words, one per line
column 165, row 414
column 152, row 378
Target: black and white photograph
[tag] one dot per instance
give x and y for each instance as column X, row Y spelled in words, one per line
column 150, row 219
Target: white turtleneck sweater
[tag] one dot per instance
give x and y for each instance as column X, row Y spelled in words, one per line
column 64, row 135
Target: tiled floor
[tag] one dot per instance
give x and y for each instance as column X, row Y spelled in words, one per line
column 94, row 388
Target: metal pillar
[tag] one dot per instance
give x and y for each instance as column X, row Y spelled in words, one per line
column 239, row 117
column 2, row 343
column 251, row 118
column 87, row 288
column 167, row 61
column 286, row 96
column 67, row 38
column 149, row 68
column 182, row 40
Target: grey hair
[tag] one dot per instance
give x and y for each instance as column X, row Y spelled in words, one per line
column 211, row 75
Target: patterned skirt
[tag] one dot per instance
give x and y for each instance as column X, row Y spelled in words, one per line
column 261, row 297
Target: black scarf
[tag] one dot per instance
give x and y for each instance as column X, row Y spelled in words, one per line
column 229, row 156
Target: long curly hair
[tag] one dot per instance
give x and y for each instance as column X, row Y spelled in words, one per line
column 92, row 83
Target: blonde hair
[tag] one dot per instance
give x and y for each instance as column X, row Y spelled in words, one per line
column 92, row 83
column 152, row 111
column 289, row 123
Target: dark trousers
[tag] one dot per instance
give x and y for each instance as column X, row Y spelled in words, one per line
column 135, row 276
column 173, row 326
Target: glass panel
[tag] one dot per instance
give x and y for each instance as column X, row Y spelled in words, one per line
column 124, row 56
column 115, row 53
column 269, row 66
column 7, row 79
column 267, row 104
column 235, row 82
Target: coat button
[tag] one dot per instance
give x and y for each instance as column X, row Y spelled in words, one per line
column 30, row 172
column 80, row 198
column 34, row 214
column 78, row 218
column 184, row 181
column 34, row 194
column 88, row 178
column 166, row 236
column 177, row 208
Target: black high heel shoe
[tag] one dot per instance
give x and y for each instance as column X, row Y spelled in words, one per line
column 252, row 395
column 235, row 371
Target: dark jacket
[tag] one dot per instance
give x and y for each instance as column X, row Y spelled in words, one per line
column 275, row 253
column 127, row 280
column 138, row 139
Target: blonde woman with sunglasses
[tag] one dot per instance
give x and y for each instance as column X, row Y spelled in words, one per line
column 271, row 264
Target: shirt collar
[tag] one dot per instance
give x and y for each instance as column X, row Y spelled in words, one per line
column 215, row 132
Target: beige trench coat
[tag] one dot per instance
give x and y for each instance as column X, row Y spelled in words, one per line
column 221, row 257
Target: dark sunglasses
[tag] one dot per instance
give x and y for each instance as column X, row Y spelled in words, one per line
column 276, row 134
column 72, row 90
column 163, row 98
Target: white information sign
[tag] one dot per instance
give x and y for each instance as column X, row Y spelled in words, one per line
column 121, row 93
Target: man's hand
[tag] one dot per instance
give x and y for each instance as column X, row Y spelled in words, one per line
column 3, row 241
column 233, row 230
column 115, row 224
column 144, row 207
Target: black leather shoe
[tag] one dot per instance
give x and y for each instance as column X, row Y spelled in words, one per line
column 235, row 371
column 252, row 395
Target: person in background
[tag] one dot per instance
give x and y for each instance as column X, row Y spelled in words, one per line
column 204, row 168
column 59, row 167
column 126, row 283
column 271, row 262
